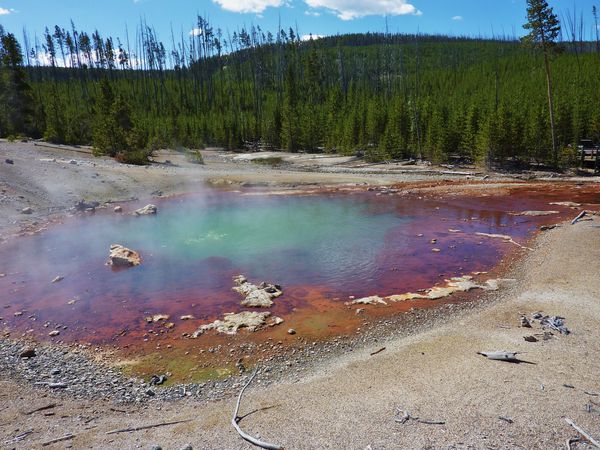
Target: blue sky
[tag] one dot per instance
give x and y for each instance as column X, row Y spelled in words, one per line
column 319, row 17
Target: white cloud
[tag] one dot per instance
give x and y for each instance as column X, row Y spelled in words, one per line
column 457, row 18
column 6, row 11
column 248, row 6
column 353, row 9
column 312, row 13
column 195, row 32
column 311, row 37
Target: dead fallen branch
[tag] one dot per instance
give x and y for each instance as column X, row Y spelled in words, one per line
column 581, row 431
column 118, row 410
column 431, row 422
column 378, row 351
column 60, row 439
column 580, row 216
column 19, row 437
column 236, row 418
column 41, row 408
column 501, row 355
column 403, row 416
column 506, row 419
column 146, row 427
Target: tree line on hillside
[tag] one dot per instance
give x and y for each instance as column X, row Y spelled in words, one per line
column 387, row 96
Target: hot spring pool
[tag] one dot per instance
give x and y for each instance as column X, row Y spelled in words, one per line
column 330, row 246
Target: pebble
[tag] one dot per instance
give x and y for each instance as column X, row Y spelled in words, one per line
column 27, row 210
column 118, row 209
column 9, row 161
column 27, row 352
column 291, row 331
column 54, row 333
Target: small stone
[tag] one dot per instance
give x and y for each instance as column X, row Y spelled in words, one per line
column 525, row 322
column 433, row 241
column 530, row 338
column 54, row 333
column 9, row 161
column 360, row 311
column 156, row 447
column 27, row 210
column 436, row 250
column 146, row 210
column 291, row 331
column 187, row 447
column 73, row 162
column 57, row 278
column 118, row 209
column 169, row 325
column 276, row 321
column 27, row 352
column 187, row 317
column 157, row 318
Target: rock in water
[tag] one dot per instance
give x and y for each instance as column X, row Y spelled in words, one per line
column 146, row 210
column 372, row 300
column 118, row 209
column 123, row 257
column 257, row 299
column 260, row 296
column 231, row 323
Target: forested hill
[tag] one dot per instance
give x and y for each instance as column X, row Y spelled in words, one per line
column 389, row 96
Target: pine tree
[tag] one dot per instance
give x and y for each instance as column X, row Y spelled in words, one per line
column 16, row 100
column 544, row 29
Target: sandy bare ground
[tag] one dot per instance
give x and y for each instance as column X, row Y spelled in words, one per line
column 350, row 402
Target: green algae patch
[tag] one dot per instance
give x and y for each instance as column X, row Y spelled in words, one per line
column 182, row 369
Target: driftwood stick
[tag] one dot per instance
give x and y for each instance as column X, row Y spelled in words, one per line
column 431, row 422
column 41, row 408
column 581, row 215
column 146, row 427
column 60, row 439
column 378, row 351
column 581, row 431
column 235, row 419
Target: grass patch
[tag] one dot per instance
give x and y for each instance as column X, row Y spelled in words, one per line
column 194, row 157
column 137, row 157
column 269, row 161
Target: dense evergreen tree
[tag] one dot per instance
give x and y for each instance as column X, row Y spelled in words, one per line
column 16, row 102
column 384, row 96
